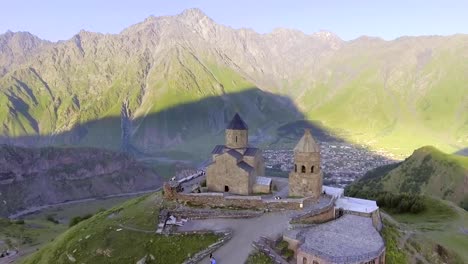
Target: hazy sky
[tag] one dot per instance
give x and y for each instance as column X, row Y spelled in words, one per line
column 61, row 19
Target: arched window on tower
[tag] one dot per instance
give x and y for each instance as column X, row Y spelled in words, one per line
column 312, row 169
column 295, row 167
column 303, row 169
column 236, row 139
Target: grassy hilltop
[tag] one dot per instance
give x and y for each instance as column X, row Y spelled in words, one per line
column 435, row 232
column 427, row 171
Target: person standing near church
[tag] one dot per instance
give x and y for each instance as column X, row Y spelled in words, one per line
column 212, row 259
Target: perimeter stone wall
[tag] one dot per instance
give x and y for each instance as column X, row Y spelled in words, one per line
column 217, row 200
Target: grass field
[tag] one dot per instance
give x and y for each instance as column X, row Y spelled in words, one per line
column 442, row 222
column 38, row 231
column 123, row 234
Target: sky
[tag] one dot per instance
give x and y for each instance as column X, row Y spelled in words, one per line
column 61, row 19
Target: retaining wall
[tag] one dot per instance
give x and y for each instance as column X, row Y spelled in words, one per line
column 220, row 200
column 315, row 216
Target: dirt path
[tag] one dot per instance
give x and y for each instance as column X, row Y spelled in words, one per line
column 136, row 229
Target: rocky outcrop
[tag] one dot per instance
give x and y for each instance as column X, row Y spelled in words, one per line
column 34, row 177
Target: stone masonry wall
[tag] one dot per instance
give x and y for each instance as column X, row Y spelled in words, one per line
column 236, row 138
column 324, row 216
column 244, row 202
column 257, row 163
column 317, row 215
column 225, row 172
column 258, row 188
column 309, row 182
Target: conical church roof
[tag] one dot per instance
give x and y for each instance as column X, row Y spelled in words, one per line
column 237, row 123
column 307, row 143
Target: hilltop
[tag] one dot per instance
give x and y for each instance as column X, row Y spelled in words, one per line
column 427, row 171
column 178, row 79
column 31, row 177
column 437, row 231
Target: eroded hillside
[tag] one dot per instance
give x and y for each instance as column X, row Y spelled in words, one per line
column 36, row 177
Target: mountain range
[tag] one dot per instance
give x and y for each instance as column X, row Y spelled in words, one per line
column 179, row 79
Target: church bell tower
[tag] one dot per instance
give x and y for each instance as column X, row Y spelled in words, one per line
column 237, row 133
column 306, row 178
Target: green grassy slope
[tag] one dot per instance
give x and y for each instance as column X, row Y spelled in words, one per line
column 182, row 87
column 436, row 235
column 36, row 231
column 427, row 171
column 397, row 95
column 179, row 104
column 442, row 222
column 97, row 240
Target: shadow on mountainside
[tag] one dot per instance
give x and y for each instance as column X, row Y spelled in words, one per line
column 270, row 117
column 193, row 129
column 462, row 152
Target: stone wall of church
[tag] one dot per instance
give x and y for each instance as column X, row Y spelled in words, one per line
column 236, row 138
column 306, row 177
column 260, row 164
column 257, row 163
column 225, row 176
column 305, row 184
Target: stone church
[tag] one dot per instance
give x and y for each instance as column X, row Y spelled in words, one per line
column 237, row 167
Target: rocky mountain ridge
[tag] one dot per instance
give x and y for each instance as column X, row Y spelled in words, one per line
column 377, row 92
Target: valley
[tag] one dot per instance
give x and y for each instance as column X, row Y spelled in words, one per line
column 93, row 126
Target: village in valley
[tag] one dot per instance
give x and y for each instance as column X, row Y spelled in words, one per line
column 342, row 162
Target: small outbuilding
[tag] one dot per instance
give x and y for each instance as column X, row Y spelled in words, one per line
column 262, row 185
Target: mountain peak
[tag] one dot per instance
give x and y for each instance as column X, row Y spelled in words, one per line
column 193, row 14
column 326, row 35
column 287, row 31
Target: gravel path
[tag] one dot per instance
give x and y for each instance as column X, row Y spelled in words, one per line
column 245, row 231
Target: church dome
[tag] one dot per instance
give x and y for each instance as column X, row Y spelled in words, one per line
column 307, row 143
